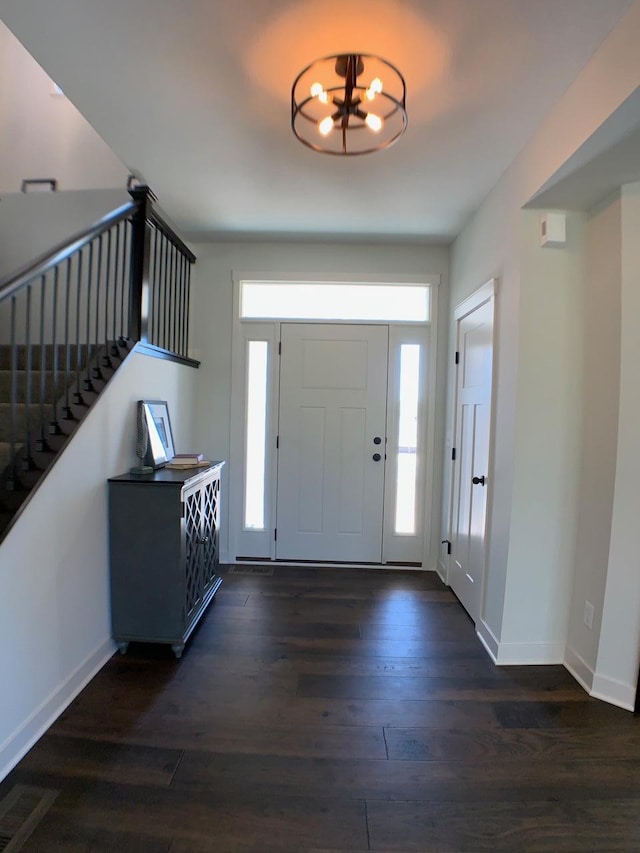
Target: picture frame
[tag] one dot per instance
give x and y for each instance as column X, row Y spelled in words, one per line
column 149, row 447
column 159, row 411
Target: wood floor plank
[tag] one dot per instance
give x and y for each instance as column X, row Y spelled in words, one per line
column 274, row 659
column 59, row 835
column 229, row 598
column 339, row 592
column 328, row 620
column 437, row 781
column 199, row 818
column 476, row 744
column 266, row 627
column 430, row 632
column 416, row 688
column 296, row 577
column 352, row 610
column 533, row 827
column 554, row 714
column 127, row 763
column 219, row 735
column 187, row 690
column 236, row 644
column 291, row 712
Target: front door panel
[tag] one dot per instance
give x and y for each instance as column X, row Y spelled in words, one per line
column 333, row 388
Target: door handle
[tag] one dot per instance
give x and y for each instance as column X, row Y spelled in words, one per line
column 478, row 481
column 377, row 440
column 376, row 457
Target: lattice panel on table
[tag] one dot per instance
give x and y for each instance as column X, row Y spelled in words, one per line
column 211, row 515
column 194, row 579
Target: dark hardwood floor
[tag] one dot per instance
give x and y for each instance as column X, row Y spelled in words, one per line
column 329, row 710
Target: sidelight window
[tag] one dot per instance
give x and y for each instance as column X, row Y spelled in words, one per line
column 256, row 432
column 407, row 460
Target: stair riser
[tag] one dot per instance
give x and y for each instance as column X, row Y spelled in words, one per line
column 5, row 457
column 37, row 356
column 51, row 389
column 20, row 421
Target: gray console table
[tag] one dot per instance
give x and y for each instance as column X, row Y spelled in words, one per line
column 164, row 553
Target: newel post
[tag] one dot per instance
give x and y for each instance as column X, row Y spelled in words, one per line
column 139, row 292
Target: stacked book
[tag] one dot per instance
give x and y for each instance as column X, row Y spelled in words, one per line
column 188, row 460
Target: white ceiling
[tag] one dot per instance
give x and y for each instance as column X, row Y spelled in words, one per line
column 195, row 96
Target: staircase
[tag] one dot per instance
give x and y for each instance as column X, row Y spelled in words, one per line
column 69, row 320
column 58, row 406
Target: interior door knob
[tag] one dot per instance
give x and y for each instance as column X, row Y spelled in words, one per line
column 377, row 440
column 478, row 481
column 376, row 457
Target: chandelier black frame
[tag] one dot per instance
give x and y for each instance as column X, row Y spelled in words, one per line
column 345, row 105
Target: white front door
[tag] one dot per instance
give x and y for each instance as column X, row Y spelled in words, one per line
column 473, row 420
column 331, row 457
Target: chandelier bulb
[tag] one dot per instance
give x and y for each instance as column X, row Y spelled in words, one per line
column 373, row 122
column 375, row 87
column 317, row 91
column 325, row 126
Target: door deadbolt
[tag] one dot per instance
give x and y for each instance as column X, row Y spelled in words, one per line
column 377, row 440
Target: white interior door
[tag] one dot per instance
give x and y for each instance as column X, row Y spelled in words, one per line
column 331, row 457
column 473, row 421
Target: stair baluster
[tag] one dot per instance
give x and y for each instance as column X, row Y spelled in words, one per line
column 41, row 441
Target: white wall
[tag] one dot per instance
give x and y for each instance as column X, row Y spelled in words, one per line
column 54, row 573
column 43, row 135
column 616, row 674
column 599, row 419
column 213, row 320
column 547, row 445
column 33, row 223
column 537, row 405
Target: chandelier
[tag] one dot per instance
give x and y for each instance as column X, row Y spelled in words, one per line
column 349, row 103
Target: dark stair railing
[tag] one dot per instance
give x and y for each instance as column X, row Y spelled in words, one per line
column 69, row 318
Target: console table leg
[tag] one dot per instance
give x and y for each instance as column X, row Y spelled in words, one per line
column 178, row 648
column 122, row 648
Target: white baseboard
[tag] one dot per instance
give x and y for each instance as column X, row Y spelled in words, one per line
column 613, row 691
column 488, row 640
column 510, row 654
column 20, row 742
column 579, row 669
column 296, row 564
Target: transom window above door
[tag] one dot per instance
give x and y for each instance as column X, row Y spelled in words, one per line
column 338, row 301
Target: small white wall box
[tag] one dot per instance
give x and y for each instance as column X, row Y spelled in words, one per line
column 553, row 230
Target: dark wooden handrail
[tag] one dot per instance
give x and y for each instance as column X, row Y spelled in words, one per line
column 171, row 235
column 14, row 281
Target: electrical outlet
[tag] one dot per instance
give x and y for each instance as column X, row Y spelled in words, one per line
column 588, row 614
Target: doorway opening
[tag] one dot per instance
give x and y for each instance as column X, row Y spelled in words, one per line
column 471, row 458
column 334, row 422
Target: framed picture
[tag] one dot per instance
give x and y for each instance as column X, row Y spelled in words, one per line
column 160, row 414
column 149, row 447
